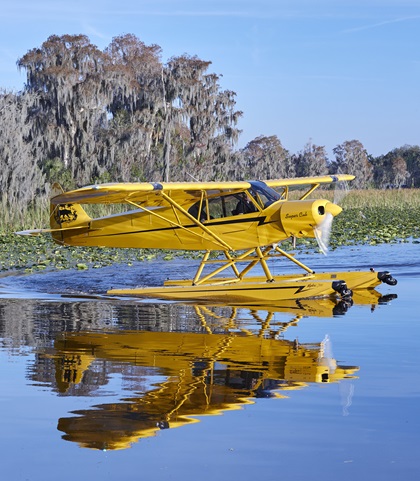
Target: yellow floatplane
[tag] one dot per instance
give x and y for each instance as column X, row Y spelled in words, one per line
column 244, row 221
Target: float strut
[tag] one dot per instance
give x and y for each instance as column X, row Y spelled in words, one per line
column 291, row 258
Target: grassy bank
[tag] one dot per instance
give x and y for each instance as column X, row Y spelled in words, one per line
column 378, row 216
column 368, row 217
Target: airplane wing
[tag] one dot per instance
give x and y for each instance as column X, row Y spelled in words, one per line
column 149, row 193
column 139, row 192
column 305, row 181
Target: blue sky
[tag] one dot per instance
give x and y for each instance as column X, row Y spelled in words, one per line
column 319, row 70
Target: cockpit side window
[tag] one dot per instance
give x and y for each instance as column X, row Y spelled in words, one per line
column 224, row 206
column 195, row 211
column 228, row 205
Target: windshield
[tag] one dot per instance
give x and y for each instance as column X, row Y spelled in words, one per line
column 264, row 195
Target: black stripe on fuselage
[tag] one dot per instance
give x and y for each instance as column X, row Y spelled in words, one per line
column 259, row 219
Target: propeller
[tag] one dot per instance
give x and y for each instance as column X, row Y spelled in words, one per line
column 323, row 232
column 341, row 189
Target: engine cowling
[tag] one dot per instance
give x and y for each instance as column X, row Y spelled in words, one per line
column 299, row 218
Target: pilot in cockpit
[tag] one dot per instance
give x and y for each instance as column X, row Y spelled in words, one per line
column 244, row 206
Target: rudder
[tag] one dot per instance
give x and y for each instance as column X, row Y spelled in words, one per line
column 66, row 216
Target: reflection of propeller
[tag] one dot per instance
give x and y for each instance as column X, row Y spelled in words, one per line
column 327, row 358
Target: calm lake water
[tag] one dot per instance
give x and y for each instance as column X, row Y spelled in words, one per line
column 92, row 388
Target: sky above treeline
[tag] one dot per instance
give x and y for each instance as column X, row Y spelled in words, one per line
column 324, row 71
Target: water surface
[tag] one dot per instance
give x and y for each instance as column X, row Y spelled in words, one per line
column 126, row 389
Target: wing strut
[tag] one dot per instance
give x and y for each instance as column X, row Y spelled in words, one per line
column 260, row 258
column 197, row 222
column 309, row 191
column 218, row 240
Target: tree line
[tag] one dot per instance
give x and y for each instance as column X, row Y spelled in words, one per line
column 121, row 114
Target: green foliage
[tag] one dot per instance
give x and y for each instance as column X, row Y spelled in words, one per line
column 55, row 171
column 31, row 254
column 376, row 225
column 399, row 167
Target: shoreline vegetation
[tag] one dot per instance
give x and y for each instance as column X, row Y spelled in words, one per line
column 369, row 217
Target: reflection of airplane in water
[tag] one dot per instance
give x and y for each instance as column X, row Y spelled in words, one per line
column 239, row 354
column 187, row 375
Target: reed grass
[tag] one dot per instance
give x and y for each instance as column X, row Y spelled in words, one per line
column 369, row 198
column 14, row 218
column 374, row 198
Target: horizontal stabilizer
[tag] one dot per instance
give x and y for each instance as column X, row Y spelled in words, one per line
column 36, row 232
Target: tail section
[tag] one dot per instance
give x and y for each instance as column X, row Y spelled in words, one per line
column 67, row 220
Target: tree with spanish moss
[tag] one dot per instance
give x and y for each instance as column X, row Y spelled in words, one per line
column 121, row 114
column 352, row 158
column 310, row 161
column 20, row 176
column 266, row 158
column 399, row 167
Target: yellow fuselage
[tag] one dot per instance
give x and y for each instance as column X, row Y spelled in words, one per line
column 170, row 228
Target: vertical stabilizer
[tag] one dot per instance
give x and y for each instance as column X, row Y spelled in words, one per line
column 66, row 217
